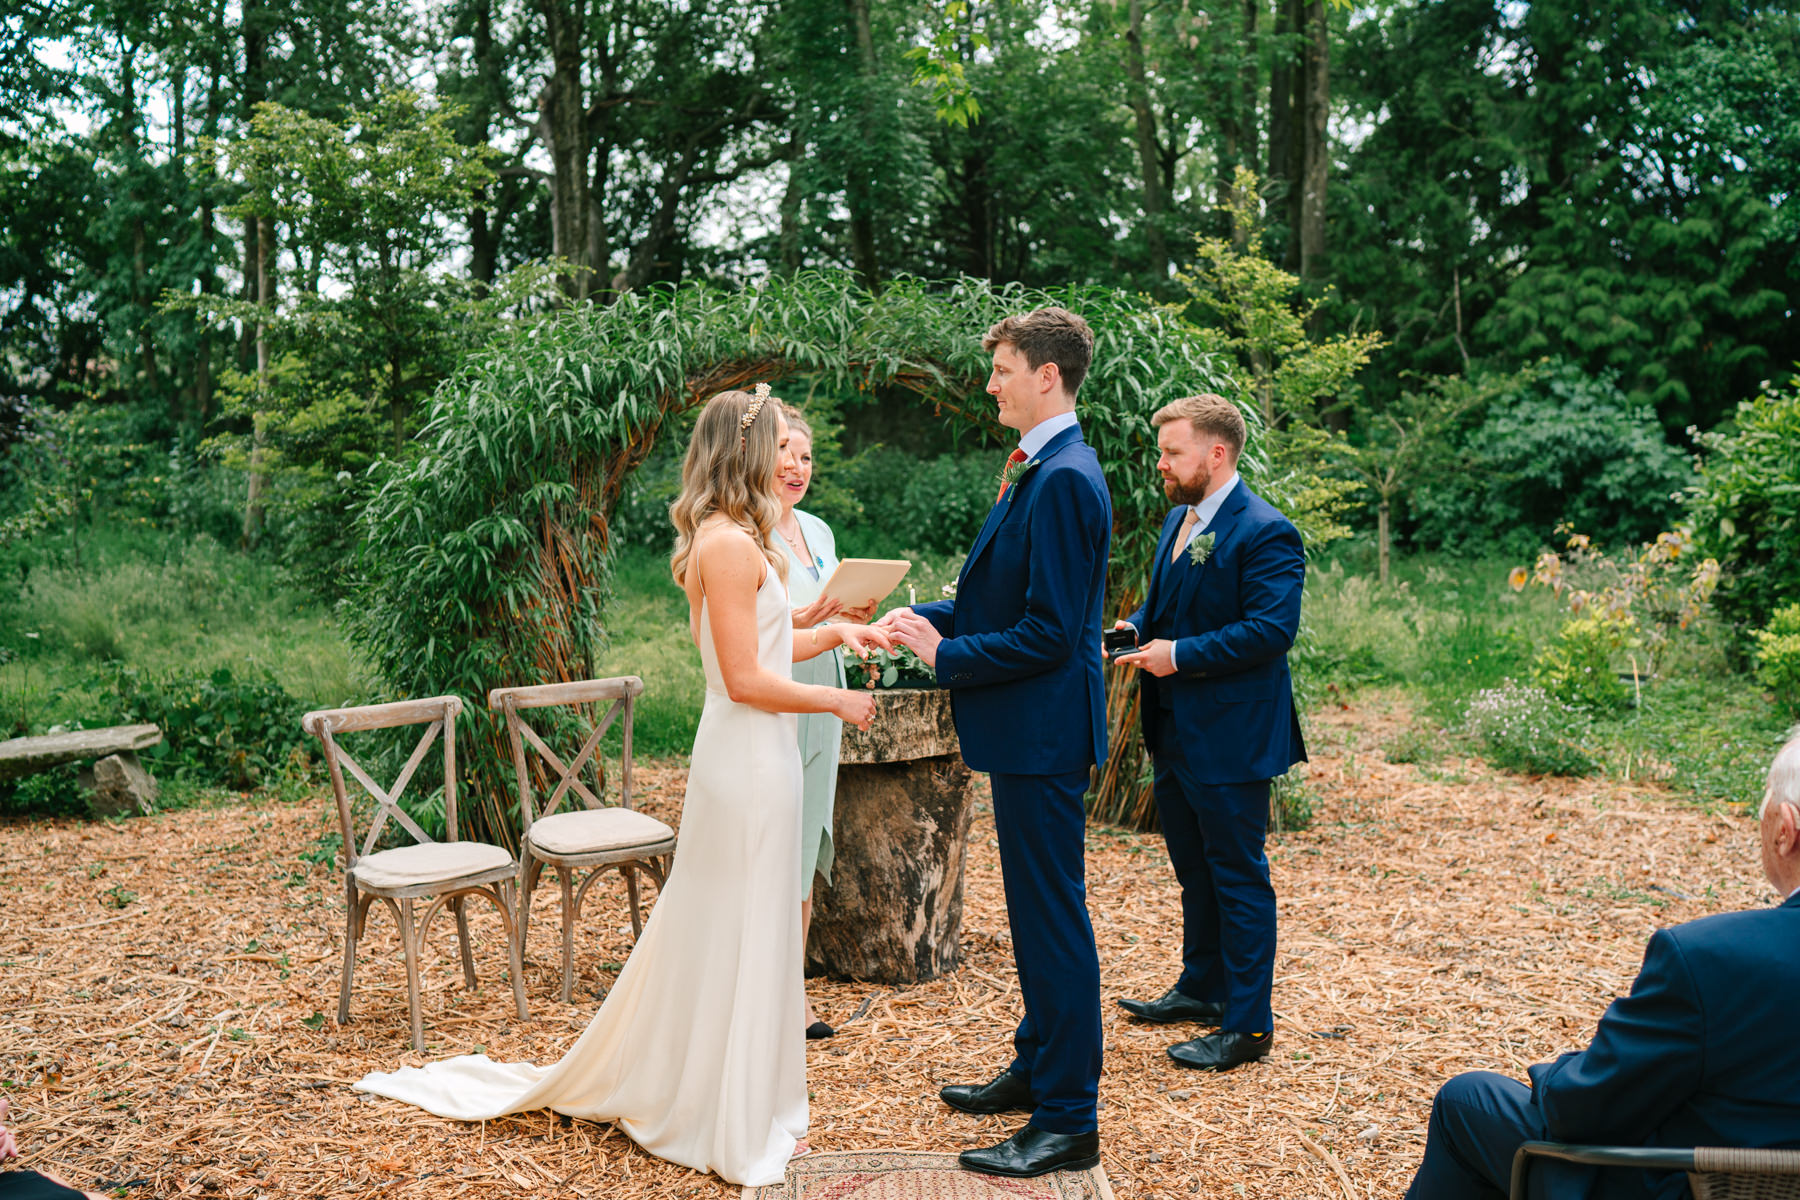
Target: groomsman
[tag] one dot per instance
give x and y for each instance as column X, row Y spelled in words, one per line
column 1019, row 650
column 1218, row 717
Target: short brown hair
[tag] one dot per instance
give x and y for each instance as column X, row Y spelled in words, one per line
column 1211, row 415
column 1047, row 335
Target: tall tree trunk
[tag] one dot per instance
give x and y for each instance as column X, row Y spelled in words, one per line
column 1294, row 154
column 208, row 285
column 1281, row 96
column 1243, row 136
column 265, row 297
column 859, row 195
column 792, row 197
column 1149, row 160
column 396, row 407
column 1382, row 536
column 484, row 240
column 134, row 173
column 1317, row 159
column 208, row 279
column 563, row 129
column 253, row 92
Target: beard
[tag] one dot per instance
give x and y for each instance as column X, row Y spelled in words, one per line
column 1188, row 491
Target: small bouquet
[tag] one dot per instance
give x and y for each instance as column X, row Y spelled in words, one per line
column 893, row 668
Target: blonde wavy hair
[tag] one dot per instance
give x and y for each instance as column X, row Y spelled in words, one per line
column 730, row 470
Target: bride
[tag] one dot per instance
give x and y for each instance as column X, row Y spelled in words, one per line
column 695, row 1053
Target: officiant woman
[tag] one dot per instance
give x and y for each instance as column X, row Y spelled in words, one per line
column 813, row 553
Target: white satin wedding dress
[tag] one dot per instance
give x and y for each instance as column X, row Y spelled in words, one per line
column 697, row 1053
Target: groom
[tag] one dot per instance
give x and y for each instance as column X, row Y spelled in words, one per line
column 1019, row 649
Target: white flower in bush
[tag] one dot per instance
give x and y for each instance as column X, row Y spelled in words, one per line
column 1528, row 730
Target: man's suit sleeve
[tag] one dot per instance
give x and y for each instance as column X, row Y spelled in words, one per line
column 1644, row 1062
column 1272, row 577
column 1067, row 532
column 938, row 612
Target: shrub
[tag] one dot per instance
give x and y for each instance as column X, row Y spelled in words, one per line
column 1577, row 668
column 1778, row 657
column 1525, row 729
column 219, row 729
column 935, row 504
column 1661, row 589
column 1745, row 510
column 1553, row 445
column 1414, row 744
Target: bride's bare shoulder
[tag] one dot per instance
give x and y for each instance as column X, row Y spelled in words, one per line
column 724, row 546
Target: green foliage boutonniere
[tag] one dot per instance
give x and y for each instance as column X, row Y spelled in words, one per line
column 1200, row 547
column 1015, row 472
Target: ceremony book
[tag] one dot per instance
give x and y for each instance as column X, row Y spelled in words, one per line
column 859, row 582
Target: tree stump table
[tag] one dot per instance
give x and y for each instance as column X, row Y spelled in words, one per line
column 893, row 910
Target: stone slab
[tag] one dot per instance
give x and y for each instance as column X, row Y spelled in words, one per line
column 29, row 755
column 119, row 786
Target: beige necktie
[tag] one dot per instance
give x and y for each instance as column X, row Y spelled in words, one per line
column 1186, row 528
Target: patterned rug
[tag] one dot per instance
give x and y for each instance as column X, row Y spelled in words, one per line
column 918, row 1175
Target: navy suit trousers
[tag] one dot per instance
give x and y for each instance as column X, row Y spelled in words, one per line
column 1477, row 1121
column 1215, row 837
column 1041, row 824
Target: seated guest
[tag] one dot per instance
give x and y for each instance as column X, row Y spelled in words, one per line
column 1701, row 1053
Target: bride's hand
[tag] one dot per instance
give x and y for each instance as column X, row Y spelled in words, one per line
column 858, row 639
column 856, row 708
column 821, row 609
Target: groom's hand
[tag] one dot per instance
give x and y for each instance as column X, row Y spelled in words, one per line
column 1156, row 657
column 916, row 634
column 889, row 618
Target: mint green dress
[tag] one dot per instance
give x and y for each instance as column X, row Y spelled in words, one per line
column 819, row 732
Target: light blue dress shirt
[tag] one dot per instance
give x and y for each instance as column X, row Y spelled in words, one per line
column 1039, row 435
column 1204, row 512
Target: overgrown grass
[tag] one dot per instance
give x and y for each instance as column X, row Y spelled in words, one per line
column 1444, row 628
column 1447, row 629
column 163, row 605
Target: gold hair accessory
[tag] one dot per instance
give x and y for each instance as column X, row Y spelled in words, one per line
column 756, row 406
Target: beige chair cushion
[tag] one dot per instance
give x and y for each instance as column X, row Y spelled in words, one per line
column 592, row 830
column 428, row 862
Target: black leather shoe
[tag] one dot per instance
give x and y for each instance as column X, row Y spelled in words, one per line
column 1173, row 1006
column 1222, row 1051
column 1031, row 1152
column 1006, row 1092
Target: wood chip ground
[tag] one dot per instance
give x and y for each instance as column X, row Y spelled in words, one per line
column 1436, row 918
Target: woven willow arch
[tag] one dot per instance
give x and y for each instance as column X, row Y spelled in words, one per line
column 483, row 562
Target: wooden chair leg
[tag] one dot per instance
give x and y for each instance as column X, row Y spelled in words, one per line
column 529, row 869
column 410, row 949
column 568, row 932
column 352, row 920
column 631, row 887
column 460, row 907
column 515, row 950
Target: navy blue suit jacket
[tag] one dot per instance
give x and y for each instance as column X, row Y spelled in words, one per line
column 1702, row 1052
column 1021, row 649
column 1232, row 619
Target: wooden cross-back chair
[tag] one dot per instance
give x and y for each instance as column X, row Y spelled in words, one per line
column 449, row 872
column 597, row 836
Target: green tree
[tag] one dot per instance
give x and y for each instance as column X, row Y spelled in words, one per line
column 1745, row 506
column 380, row 318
